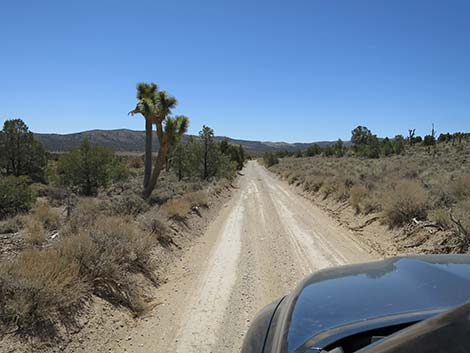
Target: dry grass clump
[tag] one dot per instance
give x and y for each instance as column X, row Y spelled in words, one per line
column 440, row 217
column 177, row 209
column 460, row 187
column 152, row 224
column 107, row 254
column 57, row 196
column 461, row 221
column 49, row 218
column 371, row 203
column 38, row 288
column 41, row 286
column 127, row 203
column 406, row 201
column 12, row 225
column 135, row 163
column 313, row 183
column 35, row 232
column 293, row 177
column 356, row 196
column 342, row 190
column 84, row 215
column 39, row 222
column 329, row 187
column 198, row 198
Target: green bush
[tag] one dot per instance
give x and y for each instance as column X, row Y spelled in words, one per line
column 89, row 168
column 270, row 159
column 15, row 195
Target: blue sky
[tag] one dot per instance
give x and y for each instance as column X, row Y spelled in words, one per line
column 297, row 70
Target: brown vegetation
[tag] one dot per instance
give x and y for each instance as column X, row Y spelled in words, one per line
column 412, row 188
column 71, row 248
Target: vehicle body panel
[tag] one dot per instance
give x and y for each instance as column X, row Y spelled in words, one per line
column 334, row 302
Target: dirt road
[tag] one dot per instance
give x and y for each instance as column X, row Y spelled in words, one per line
column 263, row 242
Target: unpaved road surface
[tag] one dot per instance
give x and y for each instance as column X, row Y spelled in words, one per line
column 263, row 242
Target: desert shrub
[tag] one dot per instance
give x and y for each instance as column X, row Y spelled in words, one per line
column 270, row 159
column 356, row 195
column 57, row 196
column 177, row 209
column 406, row 201
column 107, row 254
column 342, row 190
column 38, row 288
column 89, row 168
column 15, row 195
column 440, row 216
column 120, row 236
column 460, row 214
column 221, row 185
column 286, row 174
column 39, row 189
column 35, row 232
column 328, row 188
column 128, row 203
column 293, row 177
column 12, row 225
column 460, row 187
column 49, row 218
column 313, row 183
column 154, row 225
column 135, row 163
column 371, row 203
column 197, row 198
column 83, row 216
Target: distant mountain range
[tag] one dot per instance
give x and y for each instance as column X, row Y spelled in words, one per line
column 124, row 140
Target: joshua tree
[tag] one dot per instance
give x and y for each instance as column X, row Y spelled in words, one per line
column 147, row 94
column 156, row 107
column 411, row 136
column 169, row 133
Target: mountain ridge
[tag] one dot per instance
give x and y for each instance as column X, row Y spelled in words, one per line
column 127, row 140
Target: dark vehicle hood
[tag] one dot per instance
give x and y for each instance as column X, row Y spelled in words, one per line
column 445, row 333
column 413, row 288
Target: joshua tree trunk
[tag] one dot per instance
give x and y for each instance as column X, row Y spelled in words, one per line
column 159, row 164
column 148, row 152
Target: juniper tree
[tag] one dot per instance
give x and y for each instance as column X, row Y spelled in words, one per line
column 180, row 160
column 313, row 150
column 89, row 167
column 20, row 153
column 399, row 144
